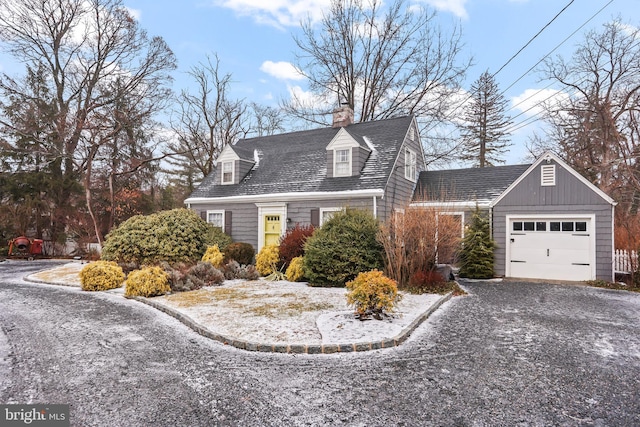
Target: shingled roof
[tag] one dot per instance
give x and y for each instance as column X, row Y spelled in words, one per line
column 296, row 162
column 479, row 185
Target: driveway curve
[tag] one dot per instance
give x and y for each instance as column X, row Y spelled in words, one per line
column 507, row 354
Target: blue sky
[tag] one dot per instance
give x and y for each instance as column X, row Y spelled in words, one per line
column 253, row 39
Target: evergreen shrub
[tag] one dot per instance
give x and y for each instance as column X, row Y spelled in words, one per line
column 343, row 247
column 294, row 272
column 476, row 255
column 178, row 235
column 241, row 252
column 213, row 256
column 101, row 276
column 373, row 294
column 218, row 237
column 147, row 282
column 267, row 260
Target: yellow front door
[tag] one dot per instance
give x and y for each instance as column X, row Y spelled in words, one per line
column 272, row 229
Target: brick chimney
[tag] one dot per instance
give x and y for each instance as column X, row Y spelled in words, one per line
column 342, row 116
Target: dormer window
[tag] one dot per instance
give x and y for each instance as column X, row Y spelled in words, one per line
column 410, row 165
column 227, row 172
column 342, row 162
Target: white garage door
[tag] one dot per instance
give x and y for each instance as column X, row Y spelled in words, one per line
column 554, row 248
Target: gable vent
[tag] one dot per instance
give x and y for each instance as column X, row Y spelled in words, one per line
column 548, row 173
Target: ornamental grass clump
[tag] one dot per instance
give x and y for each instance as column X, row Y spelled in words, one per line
column 101, row 276
column 214, row 256
column 294, row 272
column 147, row 282
column 373, row 294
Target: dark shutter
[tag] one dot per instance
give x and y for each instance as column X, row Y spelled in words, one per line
column 203, row 215
column 228, row 215
column 315, row 217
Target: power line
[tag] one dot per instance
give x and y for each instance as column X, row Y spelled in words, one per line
column 534, row 37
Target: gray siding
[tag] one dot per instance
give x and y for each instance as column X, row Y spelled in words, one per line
column 399, row 190
column 360, row 156
column 569, row 196
column 242, row 169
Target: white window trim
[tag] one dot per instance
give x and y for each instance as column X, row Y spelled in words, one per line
column 325, row 210
column 462, row 219
column 335, row 161
column 410, row 167
column 217, row 212
column 233, row 172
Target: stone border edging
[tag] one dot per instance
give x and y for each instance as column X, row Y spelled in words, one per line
column 297, row 348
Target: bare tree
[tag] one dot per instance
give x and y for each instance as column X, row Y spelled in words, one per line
column 208, row 120
column 484, row 127
column 92, row 54
column 382, row 61
column 596, row 127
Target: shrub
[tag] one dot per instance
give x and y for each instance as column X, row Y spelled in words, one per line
column 372, row 294
column 178, row 235
column 177, row 276
column 205, row 274
column 295, row 272
column 476, row 255
column 213, row 256
column 147, row 282
column 292, row 243
column 101, row 276
column 426, row 282
column 343, row 247
column 232, row 270
column 218, row 237
column 267, row 260
column 243, row 253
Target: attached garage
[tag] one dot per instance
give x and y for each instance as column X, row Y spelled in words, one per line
column 551, row 223
column 558, row 248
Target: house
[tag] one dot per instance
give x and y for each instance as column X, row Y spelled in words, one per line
column 547, row 220
column 261, row 186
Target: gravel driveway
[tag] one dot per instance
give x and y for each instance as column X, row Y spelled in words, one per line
column 508, row 354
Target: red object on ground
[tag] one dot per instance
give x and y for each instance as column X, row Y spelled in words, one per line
column 24, row 246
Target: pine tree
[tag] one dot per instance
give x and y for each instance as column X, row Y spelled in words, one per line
column 484, row 128
column 476, row 256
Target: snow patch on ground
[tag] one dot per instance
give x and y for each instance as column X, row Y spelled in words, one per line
column 280, row 312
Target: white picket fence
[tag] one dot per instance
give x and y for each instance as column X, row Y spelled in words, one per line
column 625, row 261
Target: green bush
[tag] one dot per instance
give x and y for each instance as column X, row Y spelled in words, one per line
column 218, row 237
column 476, row 255
column 295, row 272
column 372, row 294
column 101, row 276
column 267, row 260
column 343, row 247
column 178, row 235
column 213, row 256
column 147, row 282
column 241, row 252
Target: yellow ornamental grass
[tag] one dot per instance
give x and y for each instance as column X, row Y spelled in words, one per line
column 373, row 294
column 267, row 259
column 214, row 256
column 147, row 282
column 101, row 276
column 294, row 272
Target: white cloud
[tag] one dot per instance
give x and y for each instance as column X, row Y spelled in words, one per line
column 454, row 6
column 281, row 70
column 532, row 101
column 135, row 13
column 279, row 13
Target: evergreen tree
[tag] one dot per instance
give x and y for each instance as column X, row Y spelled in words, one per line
column 476, row 257
column 484, row 129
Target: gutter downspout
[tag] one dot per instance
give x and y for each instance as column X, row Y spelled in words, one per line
column 375, row 207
